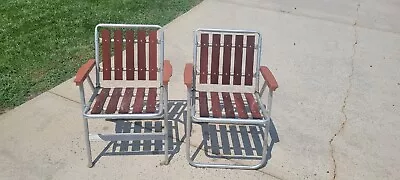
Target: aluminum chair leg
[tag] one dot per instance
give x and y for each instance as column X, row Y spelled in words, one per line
column 87, row 141
column 188, row 126
column 166, row 125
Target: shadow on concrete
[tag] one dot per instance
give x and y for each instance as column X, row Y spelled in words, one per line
column 148, row 147
column 242, row 142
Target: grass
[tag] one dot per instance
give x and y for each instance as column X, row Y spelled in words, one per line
column 43, row 42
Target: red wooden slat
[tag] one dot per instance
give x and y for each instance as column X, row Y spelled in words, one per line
column 248, row 80
column 216, row 106
column 253, row 105
column 100, row 100
column 118, row 54
column 139, row 98
column 226, row 69
column 216, row 44
column 105, row 35
column 229, row 112
column 141, row 55
column 112, row 104
column 237, row 79
column 203, row 104
column 203, row 58
column 153, row 55
column 130, row 59
column 151, row 100
column 126, row 101
column 240, row 108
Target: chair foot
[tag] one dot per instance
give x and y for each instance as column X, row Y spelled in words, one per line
column 90, row 165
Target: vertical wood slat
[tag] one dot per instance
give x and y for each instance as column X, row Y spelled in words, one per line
column 226, row 69
column 253, row 105
column 153, row 55
column 237, row 77
column 118, row 54
column 229, row 112
column 141, row 55
column 105, row 45
column 126, row 101
column 130, row 59
column 112, row 104
column 216, row 106
column 139, row 98
column 203, row 104
column 203, row 58
column 100, row 100
column 240, row 108
column 151, row 100
column 249, row 61
column 216, row 44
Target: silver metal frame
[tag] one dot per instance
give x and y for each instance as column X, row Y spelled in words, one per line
column 191, row 100
column 161, row 114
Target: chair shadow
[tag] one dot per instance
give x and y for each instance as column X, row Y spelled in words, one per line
column 147, row 147
column 242, row 142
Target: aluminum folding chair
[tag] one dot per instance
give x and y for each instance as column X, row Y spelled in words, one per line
column 234, row 73
column 131, row 81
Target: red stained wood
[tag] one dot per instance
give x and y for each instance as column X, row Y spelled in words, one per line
column 229, row 112
column 216, row 44
column 118, row 54
column 139, row 99
column 126, row 101
column 130, row 69
column 216, row 106
column 167, row 72
column 100, row 100
column 240, row 108
column 269, row 78
column 141, row 55
column 203, row 104
column 112, row 104
column 203, row 58
column 153, row 55
column 188, row 75
column 84, row 71
column 151, row 100
column 105, row 35
column 237, row 79
column 248, row 80
column 253, row 105
column 226, row 69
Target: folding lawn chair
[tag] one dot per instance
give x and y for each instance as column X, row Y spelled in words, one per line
column 131, row 81
column 233, row 76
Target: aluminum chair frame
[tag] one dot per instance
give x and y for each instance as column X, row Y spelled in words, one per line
column 83, row 74
column 191, row 80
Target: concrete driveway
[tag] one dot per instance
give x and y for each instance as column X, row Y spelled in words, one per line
column 336, row 111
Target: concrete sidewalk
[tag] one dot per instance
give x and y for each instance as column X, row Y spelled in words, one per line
column 336, row 112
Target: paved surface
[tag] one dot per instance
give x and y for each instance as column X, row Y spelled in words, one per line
column 336, row 112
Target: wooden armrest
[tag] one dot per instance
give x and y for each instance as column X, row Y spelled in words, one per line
column 84, row 71
column 269, row 78
column 167, row 72
column 188, row 75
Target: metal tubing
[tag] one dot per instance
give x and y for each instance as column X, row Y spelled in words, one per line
column 126, row 116
column 166, row 125
column 86, row 128
column 263, row 89
column 269, row 102
column 90, row 83
column 188, row 124
column 229, row 121
column 257, row 74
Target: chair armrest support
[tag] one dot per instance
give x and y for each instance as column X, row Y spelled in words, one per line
column 167, row 72
column 188, row 75
column 269, row 78
column 84, row 71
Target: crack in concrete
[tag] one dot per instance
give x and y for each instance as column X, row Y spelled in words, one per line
column 347, row 95
column 63, row 97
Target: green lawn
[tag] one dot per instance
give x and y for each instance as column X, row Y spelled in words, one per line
column 43, row 42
